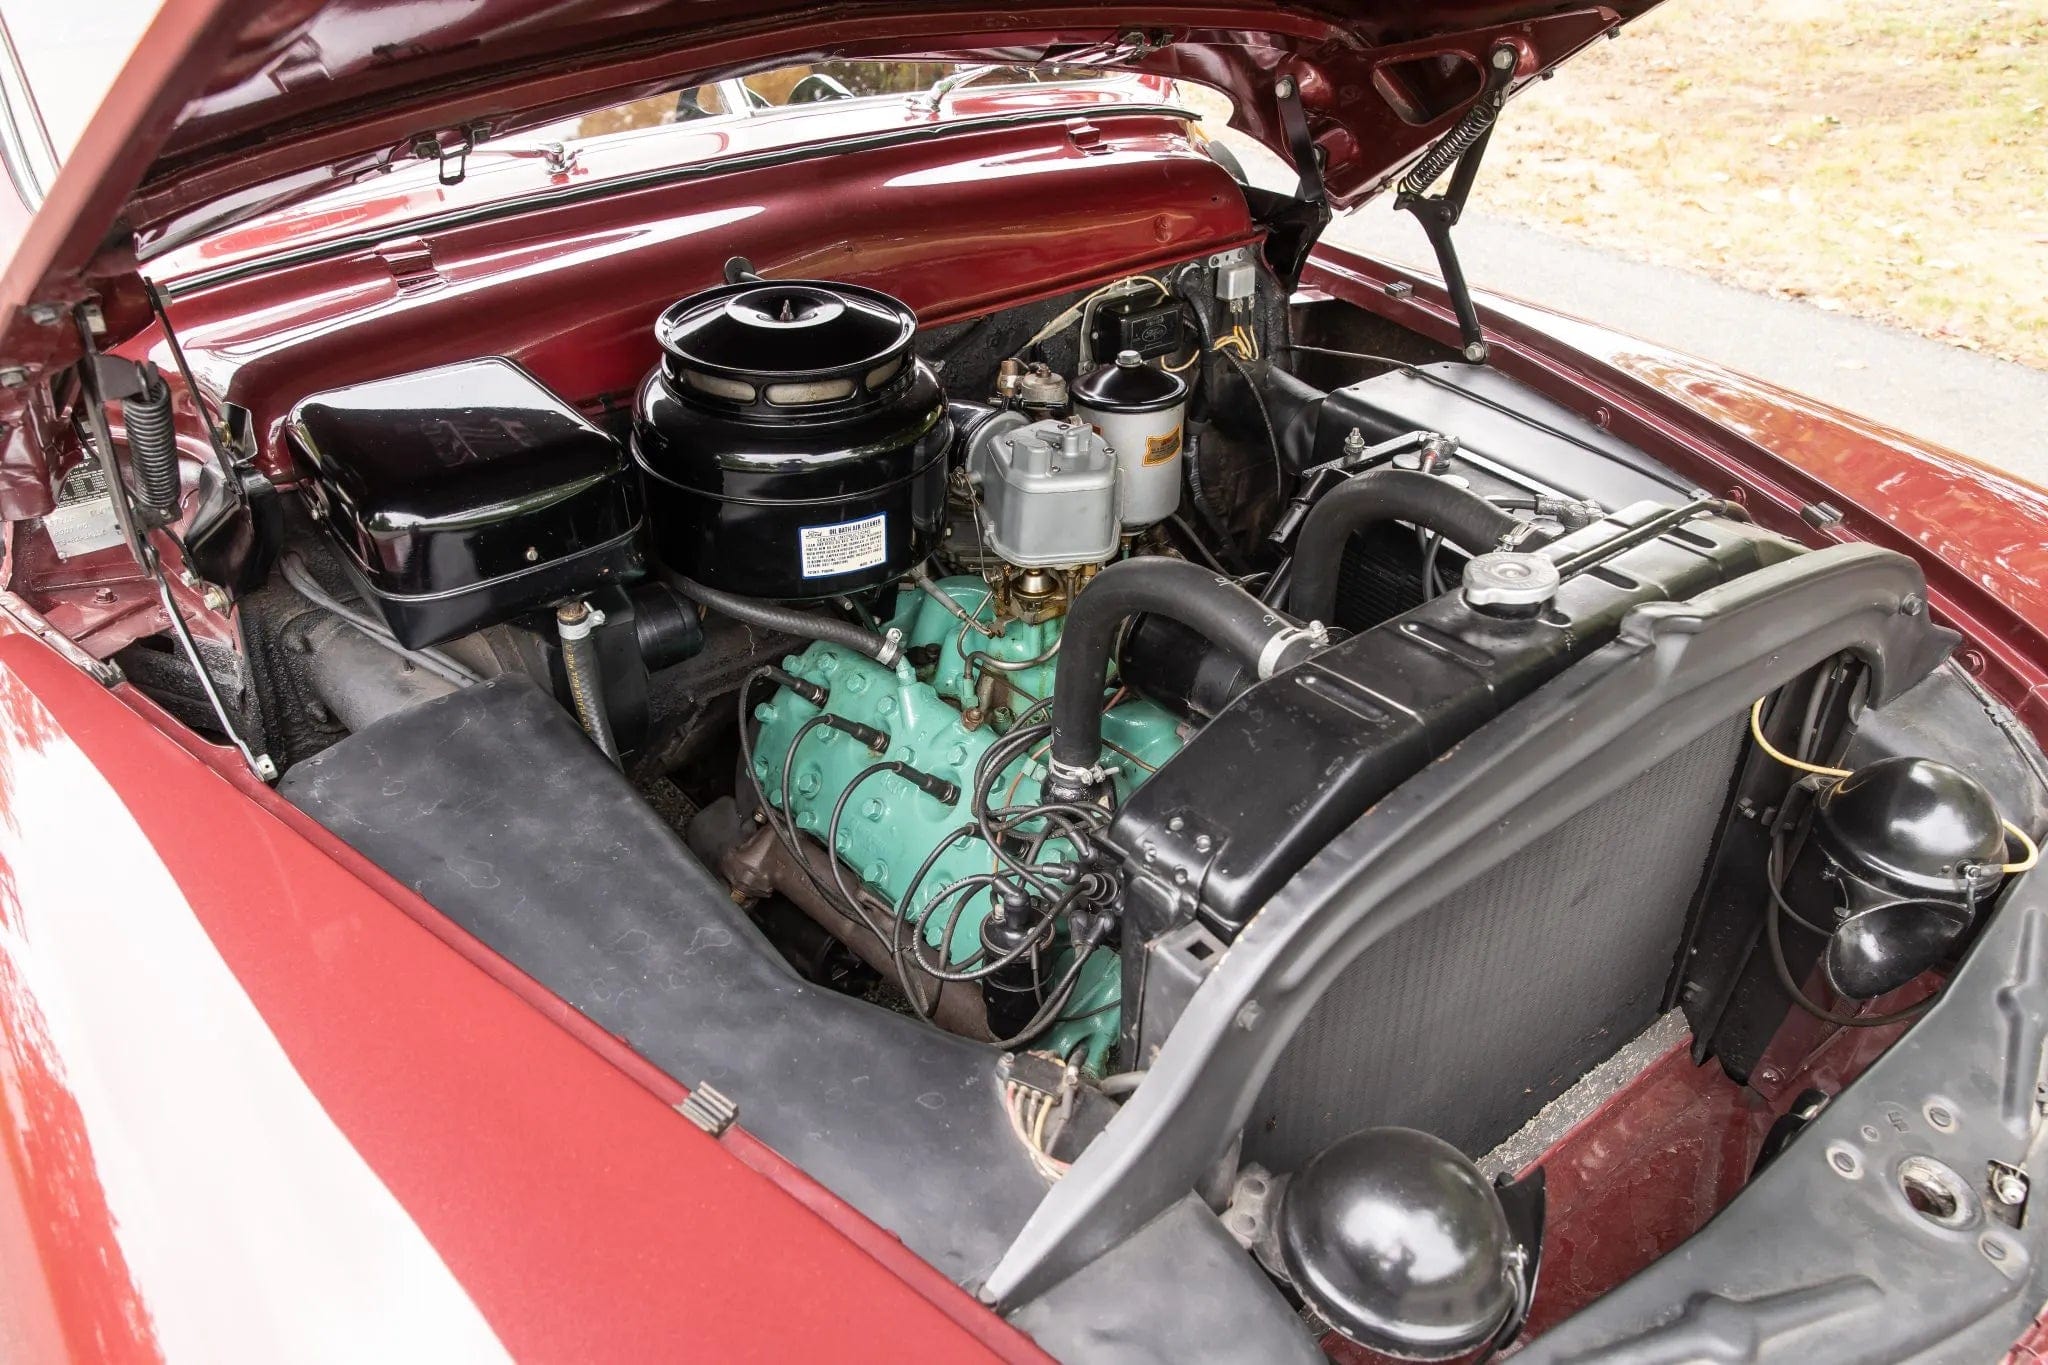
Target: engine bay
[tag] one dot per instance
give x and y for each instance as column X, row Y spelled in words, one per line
column 975, row 746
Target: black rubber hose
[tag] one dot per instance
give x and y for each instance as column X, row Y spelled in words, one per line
column 153, row 446
column 1213, row 607
column 788, row 620
column 1457, row 514
column 586, row 684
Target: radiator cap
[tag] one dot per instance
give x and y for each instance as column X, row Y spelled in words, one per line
column 1510, row 583
column 1398, row 1241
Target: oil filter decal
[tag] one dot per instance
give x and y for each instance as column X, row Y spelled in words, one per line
column 1160, row 449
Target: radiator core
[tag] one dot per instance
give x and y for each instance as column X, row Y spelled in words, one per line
column 1479, row 1011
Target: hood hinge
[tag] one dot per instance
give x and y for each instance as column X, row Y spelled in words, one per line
column 1294, row 223
column 1462, row 147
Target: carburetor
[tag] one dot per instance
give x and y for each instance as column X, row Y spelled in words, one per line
column 1048, row 491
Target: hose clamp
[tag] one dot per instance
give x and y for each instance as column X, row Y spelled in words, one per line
column 575, row 620
column 1314, row 633
column 892, row 647
column 1513, row 537
column 1073, row 776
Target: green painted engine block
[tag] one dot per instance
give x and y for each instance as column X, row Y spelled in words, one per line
column 940, row 717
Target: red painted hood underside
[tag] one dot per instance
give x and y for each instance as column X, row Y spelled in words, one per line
column 230, row 107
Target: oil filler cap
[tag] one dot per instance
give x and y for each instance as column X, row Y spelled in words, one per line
column 1510, row 583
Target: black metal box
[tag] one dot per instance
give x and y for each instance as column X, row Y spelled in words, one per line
column 1150, row 329
column 464, row 495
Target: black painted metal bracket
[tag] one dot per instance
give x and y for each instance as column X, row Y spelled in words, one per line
column 1294, row 223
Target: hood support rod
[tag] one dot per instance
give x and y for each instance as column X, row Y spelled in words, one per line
column 1462, row 147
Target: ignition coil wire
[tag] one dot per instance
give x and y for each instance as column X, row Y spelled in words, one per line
column 908, row 923
column 987, row 773
column 1056, row 892
column 786, row 837
column 903, row 913
column 753, row 679
column 1074, row 822
column 979, row 964
column 794, row 845
column 832, row 830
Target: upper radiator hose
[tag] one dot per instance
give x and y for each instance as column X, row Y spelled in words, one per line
column 1211, row 606
column 1459, row 515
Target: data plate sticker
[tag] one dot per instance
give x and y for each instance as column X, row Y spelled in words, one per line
column 851, row 545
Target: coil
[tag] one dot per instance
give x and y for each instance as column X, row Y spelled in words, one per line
column 153, row 447
column 1451, row 146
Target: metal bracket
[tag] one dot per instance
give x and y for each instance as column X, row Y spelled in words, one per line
column 454, row 159
column 1293, row 223
column 1301, row 144
column 709, row 1110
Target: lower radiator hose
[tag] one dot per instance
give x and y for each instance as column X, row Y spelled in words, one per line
column 1210, row 605
column 1459, row 515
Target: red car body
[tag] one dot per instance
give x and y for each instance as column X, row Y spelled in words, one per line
column 205, row 998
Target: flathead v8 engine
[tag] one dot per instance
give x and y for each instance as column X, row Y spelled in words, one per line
column 794, row 448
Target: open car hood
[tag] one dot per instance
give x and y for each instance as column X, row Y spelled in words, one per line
column 230, row 108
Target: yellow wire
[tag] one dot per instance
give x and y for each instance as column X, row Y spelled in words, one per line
column 2033, row 855
column 1756, row 732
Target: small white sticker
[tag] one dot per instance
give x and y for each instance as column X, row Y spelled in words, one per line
column 79, row 528
column 843, row 548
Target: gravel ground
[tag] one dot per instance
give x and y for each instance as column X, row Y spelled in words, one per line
column 1968, row 402
column 1886, row 159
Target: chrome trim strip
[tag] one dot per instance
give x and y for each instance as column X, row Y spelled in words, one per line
column 671, row 175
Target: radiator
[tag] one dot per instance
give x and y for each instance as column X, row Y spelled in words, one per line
column 1476, row 1013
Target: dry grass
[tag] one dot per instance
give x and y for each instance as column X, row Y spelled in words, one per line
column 1886, row 158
